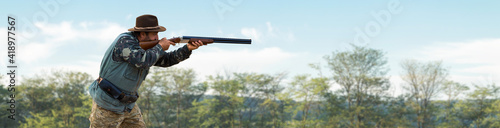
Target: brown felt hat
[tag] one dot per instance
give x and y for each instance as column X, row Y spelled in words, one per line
column 147, row 23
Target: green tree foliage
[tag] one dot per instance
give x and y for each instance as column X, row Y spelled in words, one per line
column 361, row 76
column 492, row 120
column 480, row 107
column 182, row 87
column 353, row 94
column 166, row 94
column 149, row 101
column 6, row 122
column 58, row 99
column 308, row 91
column 260, row 92
column 424, row 82
column 222, row 109
column 450, row 115
column 397, row 113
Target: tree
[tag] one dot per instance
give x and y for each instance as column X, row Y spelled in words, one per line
column 271, row 91
column 335, row 110
column 172, row 88
column 452, row 90
column 58, row 99
column 285, row 108
column 480, row 110
column 149, row 97
column 361, row 76
column 4, row 106
column 222, row 109
column 260, row 94
column 396, row 114
column 424, row 82
column 181, row 82
column 252, row 84
column 308, row 91
column 493, row 120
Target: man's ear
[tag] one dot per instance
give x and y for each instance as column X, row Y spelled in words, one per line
column 143, row 34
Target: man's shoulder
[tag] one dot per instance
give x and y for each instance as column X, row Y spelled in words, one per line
column 126, row 35
column 124, row 41
column 126, row 38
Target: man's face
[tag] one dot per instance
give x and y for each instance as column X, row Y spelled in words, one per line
column 149, row 36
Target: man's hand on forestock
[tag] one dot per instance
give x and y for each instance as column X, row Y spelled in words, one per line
column 194, row 45
column 165, row 44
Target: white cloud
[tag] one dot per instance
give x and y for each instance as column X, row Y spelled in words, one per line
column 57, row 32
column 213, row 60
column 3, row 55
column 32, row 52
column 474, row 60
column 54, row 36
column 209, row 60
column 472, row 52
column 270, row 32
column 48, row 46
column 397, row 86
column 251, row 33
column 67, row 45
column 269, row 27
column 468, row 62
column 88, row 66
column 106, row 32
column 222, row 34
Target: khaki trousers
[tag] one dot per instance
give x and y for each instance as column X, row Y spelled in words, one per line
column 102, row 118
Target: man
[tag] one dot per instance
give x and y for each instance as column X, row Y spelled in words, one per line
column 124, row 67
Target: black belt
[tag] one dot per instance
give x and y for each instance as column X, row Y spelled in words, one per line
column 115, row 92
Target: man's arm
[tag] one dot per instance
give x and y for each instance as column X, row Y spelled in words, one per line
column 174, row 57
column 127, row 49
column 178, row 55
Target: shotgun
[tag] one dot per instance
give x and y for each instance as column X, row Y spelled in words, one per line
column 190, row 39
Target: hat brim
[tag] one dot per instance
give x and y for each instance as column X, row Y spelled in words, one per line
column 161, row 29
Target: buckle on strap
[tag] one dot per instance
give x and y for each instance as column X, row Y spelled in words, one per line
column 99, row 80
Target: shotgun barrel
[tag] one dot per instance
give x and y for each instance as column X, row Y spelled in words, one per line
column 189, row 39
column 186, row 39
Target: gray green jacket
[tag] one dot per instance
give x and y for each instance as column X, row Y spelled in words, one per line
column 126, row 65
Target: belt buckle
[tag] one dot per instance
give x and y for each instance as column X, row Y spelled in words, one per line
column 99, row 80
column 128, row 98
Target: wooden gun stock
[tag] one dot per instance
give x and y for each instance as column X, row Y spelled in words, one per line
column 149, row 44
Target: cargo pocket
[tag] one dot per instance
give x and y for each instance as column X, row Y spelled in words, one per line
column 131, row 74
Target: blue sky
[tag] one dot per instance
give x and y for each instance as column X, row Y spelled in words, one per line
column 287, row 35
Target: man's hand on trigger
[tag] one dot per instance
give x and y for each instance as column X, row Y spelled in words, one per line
column 194, row 45
column 165, row 44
